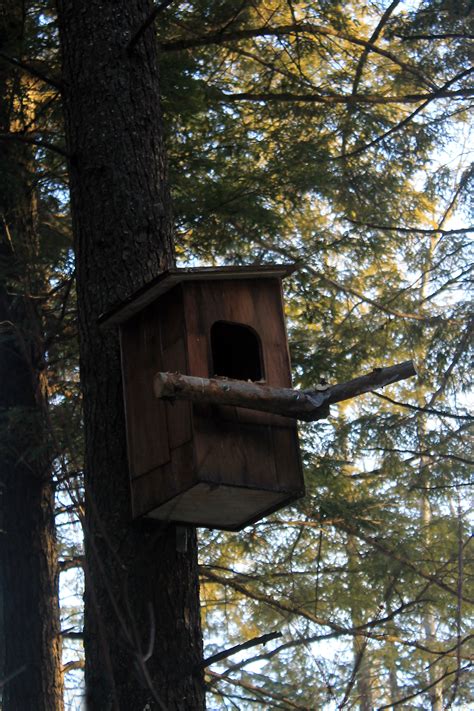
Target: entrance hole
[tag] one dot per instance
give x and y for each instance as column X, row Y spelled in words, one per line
column 236, row 351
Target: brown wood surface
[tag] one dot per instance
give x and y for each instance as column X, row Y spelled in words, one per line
column 289, row 470
column 147, row 427
column 221, row 506
column 165, row 482
column 167, row 280
column 234, row 453
column 228, row 447
column 173, row 354
column 253, row 303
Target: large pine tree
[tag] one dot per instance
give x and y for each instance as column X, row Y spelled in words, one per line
column 29, row 612
column 142, row 625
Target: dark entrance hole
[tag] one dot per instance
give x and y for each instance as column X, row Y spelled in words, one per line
column 236, row 351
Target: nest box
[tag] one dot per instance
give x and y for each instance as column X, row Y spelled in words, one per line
column 207, row 465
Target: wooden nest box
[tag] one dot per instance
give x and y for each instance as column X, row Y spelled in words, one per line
column 207, row 465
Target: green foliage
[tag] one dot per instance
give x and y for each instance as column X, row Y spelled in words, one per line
column 354, row 191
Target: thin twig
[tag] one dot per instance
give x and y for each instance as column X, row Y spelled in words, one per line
column 263, row 639
column 11, row 676
column 422, row 691
column 401, row 124
column 427, row 410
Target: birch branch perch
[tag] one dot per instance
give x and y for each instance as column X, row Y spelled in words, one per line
column 306, row 405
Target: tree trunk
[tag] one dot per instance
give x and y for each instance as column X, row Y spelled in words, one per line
column 142, row 625
column 435, row 691
column 29, row 618
column 359, row 643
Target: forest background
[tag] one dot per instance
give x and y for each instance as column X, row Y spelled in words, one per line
column 334, row 135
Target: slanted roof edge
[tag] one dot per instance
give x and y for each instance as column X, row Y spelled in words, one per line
column 167, row 280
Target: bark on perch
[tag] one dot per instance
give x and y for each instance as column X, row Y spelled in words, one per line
column 306, row 405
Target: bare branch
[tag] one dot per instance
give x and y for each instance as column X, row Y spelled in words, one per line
column 308, row 405
column 71, row 666
column 72, row 634
column 263, row 639
column 71, row 563
column 11, row 676
column 349, row 99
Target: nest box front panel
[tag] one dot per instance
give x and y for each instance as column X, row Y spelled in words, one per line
column 234, row 310
column 235, row 445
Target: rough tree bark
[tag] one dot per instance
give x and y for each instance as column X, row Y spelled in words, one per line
column 29, row 618
column 142, row 626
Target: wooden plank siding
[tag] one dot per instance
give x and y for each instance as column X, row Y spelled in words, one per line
column 216, row 466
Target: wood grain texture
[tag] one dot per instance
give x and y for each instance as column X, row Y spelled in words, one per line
column 147, row 425
column 250, row 457
column 167, row 482
column 223, row 507
column 306, row 405
column 253, row 303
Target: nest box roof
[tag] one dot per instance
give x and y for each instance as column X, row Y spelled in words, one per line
column 167, row 280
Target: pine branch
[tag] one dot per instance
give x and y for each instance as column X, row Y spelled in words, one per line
column 287, row 253
column 426, row 410
column 462, row 346
column 221, row 37
column 424, row 689
column 387, row 551
column 32, row 70
column 407, row 119
column 431, row 37
column 412, row 230
column 260, row 692
column 374, row 37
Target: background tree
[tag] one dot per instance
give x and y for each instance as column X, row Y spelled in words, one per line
column 31, row 644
